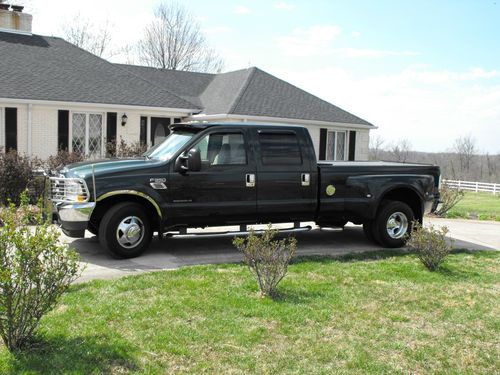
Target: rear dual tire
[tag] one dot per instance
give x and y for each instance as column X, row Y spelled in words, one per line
column 392, row 224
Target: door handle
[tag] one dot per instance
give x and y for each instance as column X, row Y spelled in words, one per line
column 250, row 179
column 305, row 179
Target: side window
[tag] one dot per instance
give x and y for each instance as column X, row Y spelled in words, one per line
column 280, row 149
column 222, row 149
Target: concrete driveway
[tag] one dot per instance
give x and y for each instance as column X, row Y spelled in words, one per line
column 175, row 252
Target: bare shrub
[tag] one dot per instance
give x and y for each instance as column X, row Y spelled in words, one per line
column 449, row 197
column 124, row 149
column 35, row 270
column 267, row 258
column 62, row 158
column 430, row 245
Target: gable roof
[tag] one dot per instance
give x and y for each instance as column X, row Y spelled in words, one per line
column 250, row 92
column 48, row 68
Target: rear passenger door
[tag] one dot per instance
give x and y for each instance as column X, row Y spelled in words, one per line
column 284, row 180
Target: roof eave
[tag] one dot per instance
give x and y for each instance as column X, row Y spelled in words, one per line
column 228, row 116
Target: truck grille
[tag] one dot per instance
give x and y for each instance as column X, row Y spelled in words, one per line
column 68, row 190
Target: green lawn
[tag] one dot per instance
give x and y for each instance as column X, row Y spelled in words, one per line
column 365, row 314
column 483, row 206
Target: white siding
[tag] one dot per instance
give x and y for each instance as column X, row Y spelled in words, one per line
column 362, row 142
column 44, row 128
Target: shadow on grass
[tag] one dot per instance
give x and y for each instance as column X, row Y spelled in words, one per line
column 293, row 296
column 371, row 255
column 85, row 355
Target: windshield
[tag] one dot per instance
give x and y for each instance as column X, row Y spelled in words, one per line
column 172, row 144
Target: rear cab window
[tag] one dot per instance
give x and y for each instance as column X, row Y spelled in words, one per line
column 279, row 148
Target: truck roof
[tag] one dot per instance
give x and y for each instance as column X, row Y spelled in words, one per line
column 198, row 126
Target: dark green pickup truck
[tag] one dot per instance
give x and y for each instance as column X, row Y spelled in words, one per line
column 215, row 174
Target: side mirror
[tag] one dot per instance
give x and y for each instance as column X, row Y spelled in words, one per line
column 194, row 160
column 188, row 161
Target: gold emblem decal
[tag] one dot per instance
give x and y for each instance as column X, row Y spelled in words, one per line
column 330, row 190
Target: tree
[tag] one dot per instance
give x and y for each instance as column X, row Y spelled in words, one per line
column 84, row 34
column 465, row 147
column 401, row 150
column 376, row 144
column 173, row 40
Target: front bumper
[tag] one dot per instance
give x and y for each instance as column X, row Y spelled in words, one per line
column 74, row 217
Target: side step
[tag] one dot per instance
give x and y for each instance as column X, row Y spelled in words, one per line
column 242, row 232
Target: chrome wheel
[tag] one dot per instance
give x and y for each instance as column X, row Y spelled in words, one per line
column 397, row 225
column 130, row 232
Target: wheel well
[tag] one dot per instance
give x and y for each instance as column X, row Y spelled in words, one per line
column 409, row 197
column 103, row 206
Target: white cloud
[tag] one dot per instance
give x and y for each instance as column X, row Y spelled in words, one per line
column 314, row 41
column 369, row 53
column 284, row 6
column 240, row 9
column 430, row 112
column 319, row 41
column 355, row 34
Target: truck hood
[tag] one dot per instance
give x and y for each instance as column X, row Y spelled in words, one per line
column 107, row 166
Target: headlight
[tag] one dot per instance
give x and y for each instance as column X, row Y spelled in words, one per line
column 68, row 190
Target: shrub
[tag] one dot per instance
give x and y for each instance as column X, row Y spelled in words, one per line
column 430, row 245
column 61, row 159
column 268, row 259
column 35, row 270
column 15, row 175
column 123, row 149
column 449, row 197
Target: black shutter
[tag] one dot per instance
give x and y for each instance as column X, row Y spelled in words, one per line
column 111, row 119
column 10, row 129
column 143, row 131
column 352, row 144
column 62, row 130
column 322, row 144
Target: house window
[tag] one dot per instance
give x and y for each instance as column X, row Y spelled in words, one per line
column 336, row 145
column 87, row 135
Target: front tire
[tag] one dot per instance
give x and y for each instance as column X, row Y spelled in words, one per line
column 393, row 224
column 125, row 230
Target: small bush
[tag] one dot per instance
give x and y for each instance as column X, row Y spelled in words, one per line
column 35, row 270
column 268, row 259
column 15, row 175
column 449, row 197
column 123, row 149
column 430, row 245
column 61, row 159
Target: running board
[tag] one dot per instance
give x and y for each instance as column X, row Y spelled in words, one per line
column 183, row 234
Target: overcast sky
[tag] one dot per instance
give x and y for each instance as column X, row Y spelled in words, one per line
column 428, row 71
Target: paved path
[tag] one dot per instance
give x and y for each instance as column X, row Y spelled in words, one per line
column 175, row 252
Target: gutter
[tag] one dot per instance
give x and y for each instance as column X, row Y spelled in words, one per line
column 277, row 120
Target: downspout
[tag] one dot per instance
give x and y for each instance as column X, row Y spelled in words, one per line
column 30, row 128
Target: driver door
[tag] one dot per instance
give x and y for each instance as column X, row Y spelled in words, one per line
column 223, row 191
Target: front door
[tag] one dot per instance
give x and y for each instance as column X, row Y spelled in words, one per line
column 159, row 129
column 223, row 191
column 87, row 135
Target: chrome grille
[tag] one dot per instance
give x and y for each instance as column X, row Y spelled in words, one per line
column 67, row 189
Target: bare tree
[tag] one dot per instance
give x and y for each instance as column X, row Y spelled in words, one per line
column 401, row 150
column 376, row 146
column 84, row 34
column 173, row 40
column 465, row 147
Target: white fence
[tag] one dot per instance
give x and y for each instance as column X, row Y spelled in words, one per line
column 473, row 186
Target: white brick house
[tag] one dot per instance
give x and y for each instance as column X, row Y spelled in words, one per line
column 54, row 95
